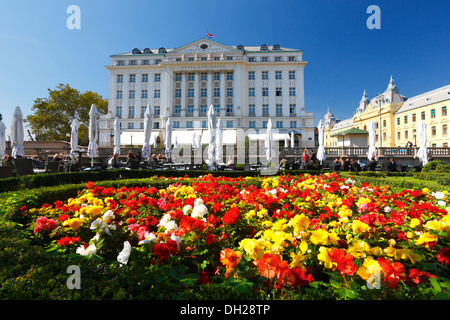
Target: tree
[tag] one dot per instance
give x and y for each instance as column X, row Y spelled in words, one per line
column 52, row 116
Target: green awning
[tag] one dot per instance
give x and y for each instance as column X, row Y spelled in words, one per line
column 350, row 131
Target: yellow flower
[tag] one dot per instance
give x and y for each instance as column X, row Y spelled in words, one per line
column 414, row 222
column 409, row 254
column 359, row 249
column 74, row 223
column 253, row 248
column 426, row 237
column 319, row 236
column 377, row 251
column 344, row 212
column 297, row 260
column 250, row 214
column 262, row 213
column 368, row 268
column 300, row 223
column 359, row 227
column 324, row 257
column 280, row 225
column 437, row 225
column 94, row 210
column 425, row 190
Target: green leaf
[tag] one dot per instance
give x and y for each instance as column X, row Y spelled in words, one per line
column 435, row 284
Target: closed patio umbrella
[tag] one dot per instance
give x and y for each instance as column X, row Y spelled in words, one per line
column 93, row 134
column 292, row 139
column 17, row 134
column 116, row 136
column 212, row 135
column 168, row 140
column 219, row 142
column 372, row 136
column 269, row 142
column 321, row 155
column 2, row 141
column 75, row 125
column 148, row 122
column 422, row 153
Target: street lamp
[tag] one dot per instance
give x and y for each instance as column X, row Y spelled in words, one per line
column 380, row 100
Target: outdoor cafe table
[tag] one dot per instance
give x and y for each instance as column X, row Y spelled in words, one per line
column 175, row 165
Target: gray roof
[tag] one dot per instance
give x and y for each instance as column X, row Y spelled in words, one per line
column 426, row 98
column 343, row 124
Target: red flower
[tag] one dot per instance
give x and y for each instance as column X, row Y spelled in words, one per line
column 204, row 278
column 392, row 272
column 217, row 207
column 65, row 241
column 444, row 256
column 165, row 250
column 231, row 216
column 342, row 261
column 44, row 224
column 210, row 238
column 24, row 209
column 416, row 277
column 63, row 217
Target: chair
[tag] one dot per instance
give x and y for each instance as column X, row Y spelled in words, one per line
column 246, row 167
column 6, row 171
column 134, row 164
column 23, row 166
column 53, row 166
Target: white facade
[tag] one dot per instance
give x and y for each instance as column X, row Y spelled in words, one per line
column 246, row 86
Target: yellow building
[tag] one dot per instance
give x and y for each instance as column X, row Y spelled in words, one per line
column 432, row 107
column 396, row 117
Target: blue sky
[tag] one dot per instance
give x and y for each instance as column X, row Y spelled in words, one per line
column 344, row 57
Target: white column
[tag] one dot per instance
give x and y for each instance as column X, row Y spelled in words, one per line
column 196, row 94
column 222, row 93
column 210, row 88
column 183, row 94
column 237, row 90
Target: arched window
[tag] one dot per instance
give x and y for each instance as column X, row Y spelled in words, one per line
column 162, row 50
column 264, row 48
column 240, row 47
column 136, row 51
column 276, row 47
column 147, row 51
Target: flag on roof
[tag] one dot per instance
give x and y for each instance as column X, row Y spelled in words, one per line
column 209, row 35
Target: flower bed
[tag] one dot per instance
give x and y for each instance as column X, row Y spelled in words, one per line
column 303, row 237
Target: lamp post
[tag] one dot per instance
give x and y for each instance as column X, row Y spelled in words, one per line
column 380, row 100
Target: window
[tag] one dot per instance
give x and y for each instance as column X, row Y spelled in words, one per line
column 216, row 92
column 190, row 93
column 433, row 130
column 445, row 145
column 229, row 92
column 279, row 124
column 157, row 77
column 156, row 110
column 293, row 124
column 177, row 109
column 216, row 109
column 252, row 124
column 444, row 111
column 292, row 109
column 132, row 94
column 279, row 108
column 177, row 93
column 398, row 135
column 190, row 76
column 414, row 117
column 130, row 125
column 141, row 125
column 444, row 129
column 119, row 94
column 406, row 134
column 384, row 123
column 422, row 115
column 406, row 120
column 120, row 63
column 145, row 77
column 204, row 124
column 229, row 109
column 189, row 124
column 264, row 124
column 203, row 92
column 131, row 111
column 434, row 145
column 251, row 92
column 229, row 58
column 144, row 94
column 251, row 109
column 176, row 124
column 278, row 75
column 155, row 125
column 190, row 109
column 157, row 93
column 265, row 92
column 120, row 78
column 132, row 78
column 145, row 62
column 133, row 62
column 265, row 109
column 398, row 120
column 178, row 77
column 203, row 108
column 251, row 75
column 433, row 113
column 291, row 59
column 292, row 92
column 264, row 59
column 278, row 92
column 251, row 59
column 265, row 75
column 190, row 59
column 291, row 75
column 203, row 76
column 216, row 75
column 278, row 59
column 230, row 75
column 229, row 123
column 119, row 112
column 157, row 61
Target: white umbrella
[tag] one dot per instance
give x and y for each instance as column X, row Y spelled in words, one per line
column 75, row 125
column 321, row 155
column 2, row 141
column 269, row 141
column 422, row 153
column 148, row 122
column 116, row 136
column 212, row 134
column 219, row 142
column 93, row 134
column 372, row 135
column 198, row 140
column 175, row 142
column 292, row 139
column 194, row 141
column 168, row 141
column 17, row 134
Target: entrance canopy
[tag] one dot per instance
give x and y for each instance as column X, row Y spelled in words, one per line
column 136, row 138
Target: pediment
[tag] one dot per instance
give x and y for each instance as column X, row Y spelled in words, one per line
column 203, row 46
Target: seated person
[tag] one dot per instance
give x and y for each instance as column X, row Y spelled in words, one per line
column 8, row 161
column 130, row 161
column 113, row 162
column 230, row 163
column 372, row 164
column 336, row 164
column 283, row 163
column 391, row 165
column 354, row 166
column 57, row 157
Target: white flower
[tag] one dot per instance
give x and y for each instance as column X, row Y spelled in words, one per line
column 164, row 220
column 387, row 209
column 149, row 237
column 442, row 203
column 97, row 224
column 90, row 250
column 198, row 201
column 199, row 211
column 186, row 209
column 108, row 215
column 125, row 253
column 177, row 239
column 438, row 195
column 171, row 225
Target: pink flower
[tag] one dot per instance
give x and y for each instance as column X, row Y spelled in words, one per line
column 44, row 224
